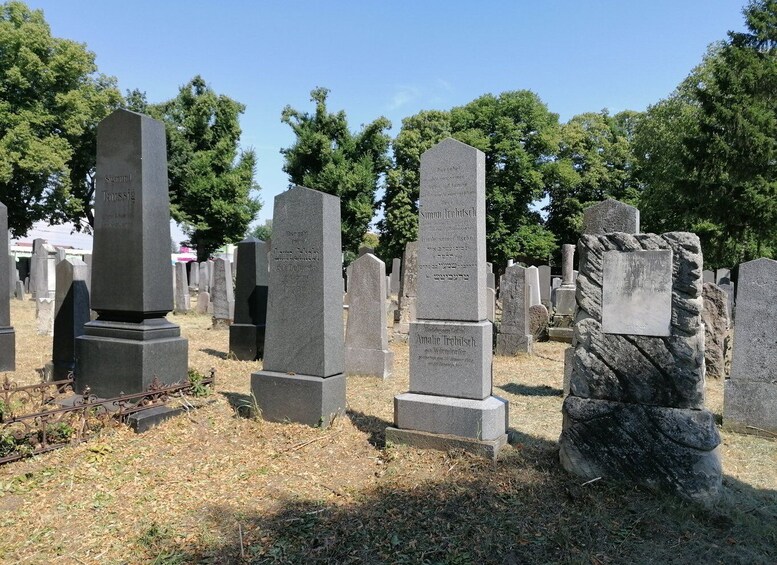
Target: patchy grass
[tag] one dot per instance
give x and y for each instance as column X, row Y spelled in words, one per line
column 215, row 487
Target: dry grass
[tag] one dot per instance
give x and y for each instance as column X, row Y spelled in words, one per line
column 213, row 487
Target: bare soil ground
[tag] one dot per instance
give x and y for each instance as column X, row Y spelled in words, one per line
column 215, row 487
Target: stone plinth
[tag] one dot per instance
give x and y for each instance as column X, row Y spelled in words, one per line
column 246, row 334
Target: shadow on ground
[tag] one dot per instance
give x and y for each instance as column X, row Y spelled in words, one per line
column 214, row 352
column 242, row 404
column 374, row 427
column 527, row 390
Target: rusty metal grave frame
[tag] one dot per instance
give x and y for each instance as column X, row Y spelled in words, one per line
column 48, row 426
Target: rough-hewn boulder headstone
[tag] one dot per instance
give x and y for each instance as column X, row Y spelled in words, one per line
column 610, row 216
column 246, row 334
column 7, row 333
column 408, row 290
column 182, row 299
column 450, row 343
column 366, row 337
column 302, row 378
column 750, row 394
column 71, row 313
column 636, row 406
column 131, row 342
column 538, row 322
column 514, row 336
column 715, row 318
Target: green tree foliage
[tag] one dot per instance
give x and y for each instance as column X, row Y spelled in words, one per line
column 326, row 156
column 263, row 232
column 594, row 162
column 210, row 181
column 51, row 99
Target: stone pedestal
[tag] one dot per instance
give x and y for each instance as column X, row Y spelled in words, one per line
column 246, row 341
column 7, row 349
column 314, row 401
column 246, row 334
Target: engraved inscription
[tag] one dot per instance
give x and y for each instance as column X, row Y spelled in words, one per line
column 118, row 201
column 294, row 256
column 446, row 348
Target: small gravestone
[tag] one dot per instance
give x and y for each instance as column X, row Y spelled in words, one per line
column 222, row 294
column 538, row 322
column 131, row 342
column 563, row 315
column 7, row 333
column 408, row 290
column 715, row 318
column 635, row 411
column 514, row 336
column 610, row 216
column 203, row 302
column 366, row 337
column 19, row 292
column 727, row 286
column 750, row 394
column 246, row 334
column 450, row 402
column 194, row 275
column 71, row 313
column 204, row 277
column 533, row 280
column 88, row 260
column 708, row 276
column 211, row 273
column 44, row 316
column 396, row 269
column 544, row 272
column 722, row 276
column 182, row 304
column 302, row 378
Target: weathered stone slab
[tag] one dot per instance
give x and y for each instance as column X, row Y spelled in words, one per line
column 452, row 245
column 444, row 442
column 538, row 322
column 182, row 300
column 750, row 407
column 610, row 216
column 396, row 269
column 71, row 315
column 715, row 318
column 708, row 276
column 203, row 302
column 514, row 336
column 544, row 273
column 661, row 448
column 722, row 276
column 222, row 294
column 637, row 292
column 533, row 280
column 408, row 288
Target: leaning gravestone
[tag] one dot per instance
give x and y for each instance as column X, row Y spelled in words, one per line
column 450, row 343
column 246, row 334
column 302, row 378
column 636, row 406
column 71, row 313
column 514, row 336
column 715, row 318
column 7, row 333
column 222, row 295
column 366, row 337
column 750, row 394
column 131, row 342
column 408, row 289
column 610, row 216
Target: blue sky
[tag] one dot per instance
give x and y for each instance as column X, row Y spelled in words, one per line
column 396, row 57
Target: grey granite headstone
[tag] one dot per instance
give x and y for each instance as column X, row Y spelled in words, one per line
column 544, row 272
column 19, row 292
column 194, row 275
column 396, row 269
column 7, row 333
column 222, row 295
column 722, row 276
column 514, row 336
column 182, row 304
column 13, row 275
column 635, row 411
column 728, row 288
column 131, row 342
column 246, row 334
column 211, row 273
column 203, row 302
column 533, row 280
column 450, row 343
column 302, row 378
column 71, row 313
column 610, row 216
column 708, row 276
column 203, row 283
column 750, row 394
column 35, row 265
column 408, row 289
column 490, row 304
column 563, row 316
column 366, row 337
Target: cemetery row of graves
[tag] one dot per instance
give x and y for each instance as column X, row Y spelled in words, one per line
column 645, row 324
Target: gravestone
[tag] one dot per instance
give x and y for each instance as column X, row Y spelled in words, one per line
column 194, row 275
column 131, row 342
column 36, row 265
column 44, row 316
column 715, row 318
column 7, row 333
column 610, row 216
column 538, row 322
column 203, row 302
column 708, row 276
column 13, row 275
column 60, row 254
column 204, row 278
column 88, row 260
column 563, row 316
column 396, row 268
column 722, row 276
column 750, row 394
column 514, row 336
column 246, row 334
column 544, row 272
column 71, row 313
column 222, row 295
column 408, row 290
column 533, row 280
column 19, row 292
column 210, row 263
column 635, row 411
column 302, row 378
column 365, row 249
column 366, row 337
column 451, row 341
column 490, row 304
column 727, row 286
column 182, row 304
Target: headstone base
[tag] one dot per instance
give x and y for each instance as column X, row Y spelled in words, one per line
column 514, row 344
column 146, row 419
column 564, row 335
column 218, row 323
column 750, row 407
column 425, row 440
column 114, row 358
column 463, row 417
column 314, row 401
column 7, row 349
column 369, row 362
column 565, row 301
column 246, row 341
column 670, row 449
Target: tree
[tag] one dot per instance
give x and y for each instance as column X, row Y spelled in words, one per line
column 594, row 162
column 326, row 156
column 51, row 99
column 263, row 232
column 210, row 183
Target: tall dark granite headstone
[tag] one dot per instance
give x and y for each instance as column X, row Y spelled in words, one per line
column 71, row 313
column 246, row 334
column 7, row 334
column 131, row 342
column 302, row 378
